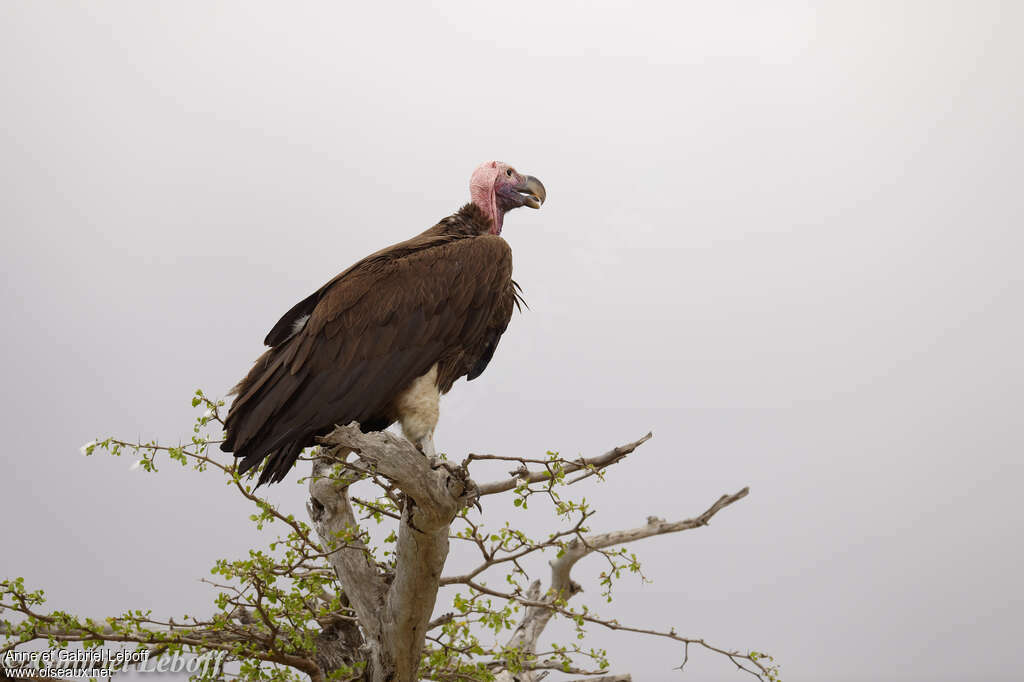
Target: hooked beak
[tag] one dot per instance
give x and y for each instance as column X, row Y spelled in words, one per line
column 533, row 192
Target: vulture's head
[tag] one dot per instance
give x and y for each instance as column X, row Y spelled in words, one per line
column 497, row 187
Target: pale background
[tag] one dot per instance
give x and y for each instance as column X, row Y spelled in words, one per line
column 787, row 239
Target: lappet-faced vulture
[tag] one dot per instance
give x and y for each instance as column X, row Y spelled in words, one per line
column 383, row 340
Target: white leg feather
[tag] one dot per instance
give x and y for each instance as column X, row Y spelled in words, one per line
column 418, row 407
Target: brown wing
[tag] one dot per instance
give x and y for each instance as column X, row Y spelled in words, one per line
column 372, row 331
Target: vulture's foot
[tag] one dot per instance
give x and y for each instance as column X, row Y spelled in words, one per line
column 472, row 495
column 459, row 475
column 437, row 462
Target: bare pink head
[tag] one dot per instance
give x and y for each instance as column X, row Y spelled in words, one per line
column 496, row 188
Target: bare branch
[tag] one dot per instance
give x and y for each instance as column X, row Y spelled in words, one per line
column 540, row 611
column 591, row 464
column 577, row 550
column 395, row 618
column 335, row 523
column 438, row 492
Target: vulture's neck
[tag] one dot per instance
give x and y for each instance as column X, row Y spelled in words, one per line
column 496, row 221
column 490, row 207
column 471, row 220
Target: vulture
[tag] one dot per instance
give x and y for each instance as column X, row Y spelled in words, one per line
column 383, row 340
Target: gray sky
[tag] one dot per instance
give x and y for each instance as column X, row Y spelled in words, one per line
column 785, row 239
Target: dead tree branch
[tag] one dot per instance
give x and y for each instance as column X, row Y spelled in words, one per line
column 394, row 613
column 540, row 610
column 593, row 464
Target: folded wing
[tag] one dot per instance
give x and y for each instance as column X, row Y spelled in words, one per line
column 369, row 333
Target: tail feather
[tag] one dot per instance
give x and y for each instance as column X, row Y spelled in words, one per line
column 250, row 435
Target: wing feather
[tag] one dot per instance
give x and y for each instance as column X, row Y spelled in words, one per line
column 373, row 330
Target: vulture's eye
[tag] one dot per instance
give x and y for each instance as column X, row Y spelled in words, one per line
column 509, row 172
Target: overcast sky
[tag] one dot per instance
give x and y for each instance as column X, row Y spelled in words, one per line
column 786, row 239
